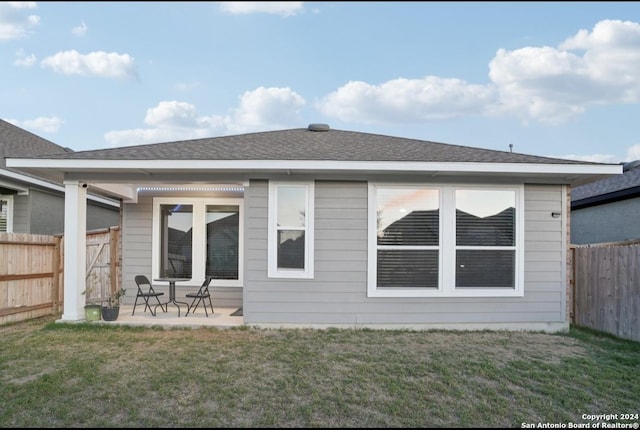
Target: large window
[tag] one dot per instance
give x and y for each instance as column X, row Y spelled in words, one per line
column 445, row 240
column 197, row 237
column 290, row 232
column 407, row 238
column 485, row 238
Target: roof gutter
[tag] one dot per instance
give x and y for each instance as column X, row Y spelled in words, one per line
column 70, row 165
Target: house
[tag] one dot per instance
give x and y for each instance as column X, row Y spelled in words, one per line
column 30, row 204
column 607, row 210
column 334, row 228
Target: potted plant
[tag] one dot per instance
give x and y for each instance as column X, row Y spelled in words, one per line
column 92, row 308
column 111, row 309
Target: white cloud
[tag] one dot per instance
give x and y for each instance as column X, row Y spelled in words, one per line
column 550, row 85
column 284, row 8
column 186, row 86
column 266, row 108
column 98, row 63
column 151, row 135
column 633, row 153
column 49, row 124
column 595, row 158
column 406, row 100
column 259, row 110
column 14, row 24
column 80, row 30
column 554, row 85
column 172, row 114
column 168, row 121
column 24, row 60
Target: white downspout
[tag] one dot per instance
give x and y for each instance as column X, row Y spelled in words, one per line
column 75, row 249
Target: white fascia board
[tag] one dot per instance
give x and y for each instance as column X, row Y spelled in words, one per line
column 316, row 165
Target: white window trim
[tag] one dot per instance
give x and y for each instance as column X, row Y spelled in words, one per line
column 272, row 254
column 447, row 257
column 9, row 200
column 199, row 240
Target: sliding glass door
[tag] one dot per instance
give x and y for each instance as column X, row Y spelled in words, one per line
column 198, row 237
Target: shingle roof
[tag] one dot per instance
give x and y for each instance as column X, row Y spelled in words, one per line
column 16, row 142
column 610, row 188
column 303, row 144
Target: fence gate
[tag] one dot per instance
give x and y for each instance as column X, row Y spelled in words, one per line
column 102, row 263
column 32, row 272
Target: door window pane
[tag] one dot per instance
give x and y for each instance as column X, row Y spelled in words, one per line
column 176, row 240
column 223, row 243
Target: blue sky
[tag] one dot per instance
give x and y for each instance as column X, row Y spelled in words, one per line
column 556, row 79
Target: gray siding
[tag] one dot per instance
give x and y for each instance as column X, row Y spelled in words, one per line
column 612, row 222
column 46, row 212
column 101, row 216
column 21, row 214
column 338, row 293
column 42, row 212
column 136, row 245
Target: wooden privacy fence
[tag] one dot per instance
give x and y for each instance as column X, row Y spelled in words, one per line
column 606, row 288
column 30, row 276
column 32, row 271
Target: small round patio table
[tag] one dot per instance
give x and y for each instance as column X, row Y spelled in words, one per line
column 172, row 292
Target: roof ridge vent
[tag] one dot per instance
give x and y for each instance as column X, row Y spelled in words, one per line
column 318, row 127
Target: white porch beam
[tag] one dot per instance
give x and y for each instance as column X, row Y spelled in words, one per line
column 75, row 249
column 127, row 192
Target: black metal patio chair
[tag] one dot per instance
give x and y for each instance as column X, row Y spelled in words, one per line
column 201, row 296
column 146, row 292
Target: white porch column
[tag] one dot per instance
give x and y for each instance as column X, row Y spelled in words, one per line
column 75, row 249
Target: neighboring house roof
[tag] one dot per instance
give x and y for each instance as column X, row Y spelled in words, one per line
column 16, row 142
column 607, row 190
column 316, row 149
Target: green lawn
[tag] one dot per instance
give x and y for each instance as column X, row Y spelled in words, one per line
column 89, row 375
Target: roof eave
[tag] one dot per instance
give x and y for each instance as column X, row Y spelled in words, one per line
column 58, row 169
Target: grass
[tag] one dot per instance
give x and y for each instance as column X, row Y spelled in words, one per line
column 89, row 375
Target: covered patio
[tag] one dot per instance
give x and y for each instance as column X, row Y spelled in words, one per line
column 221, row 318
